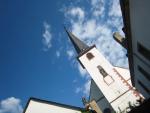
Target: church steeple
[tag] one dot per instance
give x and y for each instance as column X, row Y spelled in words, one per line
column 78, row 44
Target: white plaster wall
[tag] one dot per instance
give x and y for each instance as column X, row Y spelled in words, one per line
column 124, row 72
column 123, row 101
column 37, row 107
column 111, row 92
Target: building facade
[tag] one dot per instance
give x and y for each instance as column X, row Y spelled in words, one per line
column 136, row 20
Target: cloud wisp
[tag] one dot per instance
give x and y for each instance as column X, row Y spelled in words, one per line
column 70, row 53
column 11, row 105
column 47, row 37
column 57, row 54
column 85, row 89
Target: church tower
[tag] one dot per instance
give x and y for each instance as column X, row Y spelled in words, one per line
column 118, row 91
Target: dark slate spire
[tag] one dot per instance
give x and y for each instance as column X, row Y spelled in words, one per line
column 78, row 44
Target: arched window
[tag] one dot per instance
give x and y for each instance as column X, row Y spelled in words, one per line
column 89, row 56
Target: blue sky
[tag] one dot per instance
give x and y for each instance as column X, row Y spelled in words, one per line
column 37, row 58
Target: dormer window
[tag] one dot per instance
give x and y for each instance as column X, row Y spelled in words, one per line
column 89, row 56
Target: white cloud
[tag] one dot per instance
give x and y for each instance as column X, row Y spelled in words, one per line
column 97, row 7
column 11, row 105
column 57, row 54
column 101, row 32
column 114, row 8
column 85, row 89
column 76, row 12
column 82, row 71
column 87, row 30
column 78, row 90
column 75, row 81
column 70, row 53
column 47, row 36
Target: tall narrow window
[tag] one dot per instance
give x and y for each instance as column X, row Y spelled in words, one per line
column 89, row 56
column 146, row 74
column 143, row 51
column 106, row 77
column 102, row 71
column 144, row 87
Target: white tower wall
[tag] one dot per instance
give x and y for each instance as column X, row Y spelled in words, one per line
column 115, row 88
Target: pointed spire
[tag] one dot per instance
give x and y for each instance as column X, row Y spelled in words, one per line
column 78, row 44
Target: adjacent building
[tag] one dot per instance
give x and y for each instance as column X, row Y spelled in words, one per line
column 136, row 20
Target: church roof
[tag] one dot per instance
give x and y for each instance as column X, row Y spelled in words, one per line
column 77, row 43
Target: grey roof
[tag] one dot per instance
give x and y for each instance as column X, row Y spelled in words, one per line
column 78, row 44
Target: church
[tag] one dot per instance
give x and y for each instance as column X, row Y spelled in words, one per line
column 110, row 91
column 111, row 86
